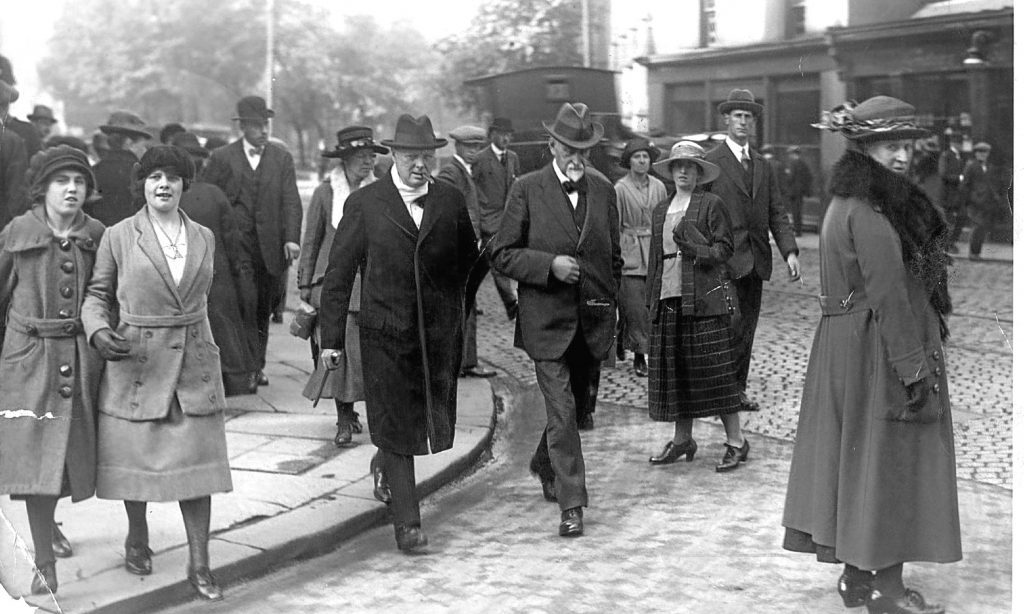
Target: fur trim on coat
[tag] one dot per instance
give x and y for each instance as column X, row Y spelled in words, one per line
column 920, row 225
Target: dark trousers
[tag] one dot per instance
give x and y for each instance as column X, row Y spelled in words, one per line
column 744, row 323
column 503, row 284
column 565, row 384
column 268, row 291
column 983, row 223
column 796, row 209
column 469, row 358
column 400, row 471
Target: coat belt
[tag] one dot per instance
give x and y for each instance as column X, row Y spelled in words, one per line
column 841, row 305
column 184, row 319
column 44, row 327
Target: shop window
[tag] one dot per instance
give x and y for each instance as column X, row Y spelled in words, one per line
column 686, row 116
column 795, row 111
column 795, row 18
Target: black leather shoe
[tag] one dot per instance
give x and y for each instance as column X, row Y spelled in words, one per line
column 586, row 423
column 572, row 522
column 44, row 579
column 61, row 545
column 640, row 365
column 746, row 404
column 357, row 427
column 620, row 352
column 262, row 380
column 478, row 372
column 381, row 490
column 410, row 539
column 276, row 318
column 855, row 593
column 910, row 602
column 138, row 559
column 672, row 452
column 733, row 457
column 205, row 584
column 344, row 435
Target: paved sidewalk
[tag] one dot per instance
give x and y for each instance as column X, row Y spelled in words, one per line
column 295, row 495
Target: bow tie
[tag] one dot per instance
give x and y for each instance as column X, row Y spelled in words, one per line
column 256, row 151
column 574, row 186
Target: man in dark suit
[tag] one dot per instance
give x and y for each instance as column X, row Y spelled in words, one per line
column 951, row 169
column 127, row 139
column 458, row 172
column 495, row 169
column 13, row 162
column 413, row 241
column 259, row 179
column 796, row 184
column 984, row 195
column 755, row 205
column 559, row 238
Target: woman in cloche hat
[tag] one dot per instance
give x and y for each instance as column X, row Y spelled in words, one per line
column 48, row 373
column 873, row 479
column 692, row 373
column 356, row 152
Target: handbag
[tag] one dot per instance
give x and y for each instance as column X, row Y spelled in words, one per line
column 303, row 321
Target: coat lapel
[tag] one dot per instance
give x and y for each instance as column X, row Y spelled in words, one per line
column 760, row 165
column 732, row 168
column 555, row 200
column 393, row 208
column 197, row 247
column 431, row 211
column 147, row 242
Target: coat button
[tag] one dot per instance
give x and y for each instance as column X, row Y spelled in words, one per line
column 935, row 355
column 935, row 387
column 65, row 370
column 206, row 378
column 148, row 334
column 938, row 370
column 176, row 346
column 89, row 243
column 70, row 328
column 213, row 398
column 65, row 391
column 31, row 330
column 142, row 359
column 195, row 333
column 67, row 266
column 66, row 292
column 138, row 384
column 65, row 245
column 64, row 314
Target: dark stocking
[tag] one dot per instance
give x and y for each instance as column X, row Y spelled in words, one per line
column 196, row 514
column 138, row 528
column 345, row 411
column 890, row 581
column 40, row 521
column 856, row 574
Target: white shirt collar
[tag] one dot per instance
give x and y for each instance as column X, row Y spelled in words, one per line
column 469, row 167
column 737, row 149
column 498, row 152
column 249, row 146
column 558, row 172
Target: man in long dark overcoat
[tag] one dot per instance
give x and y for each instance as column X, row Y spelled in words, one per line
column 13, row 162
column 413, row 243
column 259, row 180
column 754, row 201
column 559, row 238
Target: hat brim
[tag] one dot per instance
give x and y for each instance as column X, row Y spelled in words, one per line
column 129, row 132
column 587, row 144
column 438, row 143
column 197, row 151
column 709, row 171
column 33, row 118
column 341, row 153
column 652, row 151
column 731, row 105
column 889, row 135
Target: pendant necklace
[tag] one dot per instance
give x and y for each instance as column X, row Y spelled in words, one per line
column 175, row 253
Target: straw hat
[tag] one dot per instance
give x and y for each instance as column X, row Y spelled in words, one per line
column 691, row 152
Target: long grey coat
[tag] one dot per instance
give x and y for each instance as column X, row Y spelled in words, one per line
column 172, row 347
column 46, row 366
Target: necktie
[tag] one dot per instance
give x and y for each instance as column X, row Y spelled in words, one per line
column 501, row 159
column 256, row 151
column 572, row 186
column 745, row 160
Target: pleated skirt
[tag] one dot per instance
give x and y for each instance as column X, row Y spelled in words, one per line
column 691, row 368
column 635, row 320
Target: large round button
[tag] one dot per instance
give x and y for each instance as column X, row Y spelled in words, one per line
column 935, row 354
column 935, row 387
column 65, row 245
column 213, row 398
column 938, row 370
column 67, row 266
column 89, row 243
column 148, row 334
column 65, row 391
column 206, row 378
column 65, row 370
column 70, row 328
column 31, row 330
column 195, row 333
column 64, row 314
column 66, row 292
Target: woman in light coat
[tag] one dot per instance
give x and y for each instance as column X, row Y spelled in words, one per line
column 48, row 372
column 161, row 424
column 356, row 151
column 873, row 480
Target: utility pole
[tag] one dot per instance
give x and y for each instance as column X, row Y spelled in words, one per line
column 586, row 33
column 270, row 60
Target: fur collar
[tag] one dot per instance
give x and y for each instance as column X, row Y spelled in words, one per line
column 920, row 224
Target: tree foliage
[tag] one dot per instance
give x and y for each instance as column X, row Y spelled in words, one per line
column 509, row 35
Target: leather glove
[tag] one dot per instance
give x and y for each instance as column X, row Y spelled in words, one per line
column 111, row 345
column 919, row 406
column 331, row 359
column 687, row 238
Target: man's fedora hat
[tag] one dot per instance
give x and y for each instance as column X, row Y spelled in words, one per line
column 742, row 100
column 126, row 123
column 8, row 93
column 692, row 152
column 500, row 124
column 880, row 118
column 190, row 143
column 352, row 138
column 414, row 133
column 253, row 108
column 574, row 127
column 470, row 135
column 41, row 112
column 639, row 144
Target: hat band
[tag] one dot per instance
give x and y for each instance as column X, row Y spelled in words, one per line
column 841, row 120
column 356, row 143
column 573, row 133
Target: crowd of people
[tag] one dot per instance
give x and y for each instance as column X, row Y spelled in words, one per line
column 138, row 292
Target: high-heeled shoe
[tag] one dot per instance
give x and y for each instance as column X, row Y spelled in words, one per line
column 138, row 559
column 61, row 545
column 410, row 538
column 673, row 451
column 205, row 584
column 381, row 489
column 854, row 592
column 44, row 579
column 733, row 457
column 344, row 435
column 910, row 602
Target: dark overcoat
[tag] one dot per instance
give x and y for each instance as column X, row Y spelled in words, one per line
column 712, row 296
column 537, row 226
column 13, row 163
column 458, row 177
column 266, row 201
column 166, row 324
column 114, row 173
column 864, row 489
column 48, row 373
column 411, row 312
column 753, row 211
column 494, row 180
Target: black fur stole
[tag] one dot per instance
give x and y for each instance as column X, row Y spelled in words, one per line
column 920, row 225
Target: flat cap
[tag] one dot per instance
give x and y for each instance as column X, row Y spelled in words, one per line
column 469, row 134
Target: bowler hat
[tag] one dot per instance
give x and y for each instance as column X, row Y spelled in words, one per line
column 253, row 108
column 500, row 124
column 165, row 156
column 469, row 135
column 414, row 133
column 41, row 112
column 352, row 138
column 190, row 143
column 982, row 146
column 880, row 118
column 48, row 161
column 742, row 100
column 126, row 123
column 8, row 93
column 574, row 127
column 635, row 145
column 692, row 152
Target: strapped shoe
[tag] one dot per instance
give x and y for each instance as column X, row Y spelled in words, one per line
column 344, row 435
column 572, row 522
column 854, row 592
column 138, row 559
column 672, row 452
column 910, row 602
column 733, row 457
column 205, row 584
column 410, row 539
column 61, row 545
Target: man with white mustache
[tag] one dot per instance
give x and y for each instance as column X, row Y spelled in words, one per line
column 559, row 238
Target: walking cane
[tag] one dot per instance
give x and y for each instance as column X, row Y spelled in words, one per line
column 334, row 356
